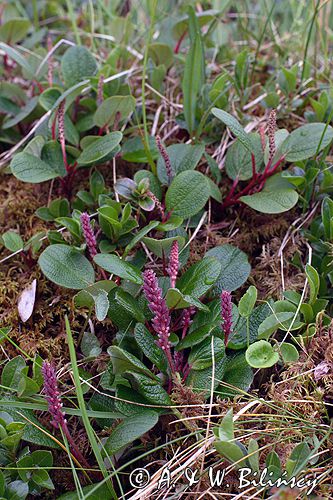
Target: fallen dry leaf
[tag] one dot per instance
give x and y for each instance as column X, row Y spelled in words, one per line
column 26, row 301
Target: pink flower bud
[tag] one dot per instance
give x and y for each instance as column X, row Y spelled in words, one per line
column 226, row 313
column 53, row 396
column 88, row 234
column 157, row 305
column 165, row 156
column 173, row 263
column 271, row 127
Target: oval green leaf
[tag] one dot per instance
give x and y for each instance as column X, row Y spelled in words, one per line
column 107, row 111
column 272, row 202
column 76, row 64
column 66, row 267
column 306, row 141
column 235, row 267
column 115, row 265
column 29, row 168
column 99, row 148
column 234, row 126
column 187, row 194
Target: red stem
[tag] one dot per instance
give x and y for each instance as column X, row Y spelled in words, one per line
column 253, row 160
column 177, row 47
column 257, row 180
column 76, row 452
column 186, row 371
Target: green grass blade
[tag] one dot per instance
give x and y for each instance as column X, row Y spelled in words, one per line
column 85, row 418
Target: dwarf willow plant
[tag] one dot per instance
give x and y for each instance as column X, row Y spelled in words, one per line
column 256, row 158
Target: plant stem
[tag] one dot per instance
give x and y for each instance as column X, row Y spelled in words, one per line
column 144, row 74
column 257, row 181
column 73, row 21
column 177, row 47
column 260, row 42
column 308, row 40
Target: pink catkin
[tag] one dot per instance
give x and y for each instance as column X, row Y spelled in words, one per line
column 226, row 314
column 157, row 202
column 173, row 263
column 61, row 130
column 100, row 85
column 55, row 408
column 157, row 305
column 186, row 320
column 53, row 396
column 165, row 156
column 271, row 127
column 89, row 235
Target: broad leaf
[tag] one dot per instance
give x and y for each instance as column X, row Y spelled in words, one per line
column 241, row 330
column 202, row 380
column 129, row 430
column 14, row 30
column 25, row 111
column 134, row 151
column 234, row 452
column 238, row 375
column 12, row 241
column 278, row 320
column 90, row 345
column 149, row 388
column 235, row 268
column 162, row 247
column 100, row 148
column 12, row 372
column 115, row 265
column 123, row 361
column 195, row 336
column 76, row 64
column 201, row 356
column 306, row 141
column 175, row 299
column 289, row 353
column 238, row 162
column 66, row 267
column 117, row 105
column 130, row 304
column 314, row 282
column 187, row 194
column 52, row 155
column 182, row 157
column 147, row 342
column 140, row 235
column 200, row 277
column 261, row 355
column 247, row 302
column 28, row 168
column 235, row 127
column 272, row 202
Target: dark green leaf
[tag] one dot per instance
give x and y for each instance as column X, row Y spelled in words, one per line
column 28, row 168
column 129, row 430
column 200, row 277
column 235, row 268
column 115, row 265
column 182, row 157
column 187, row 194
column 77, row 63
column 66, row 267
